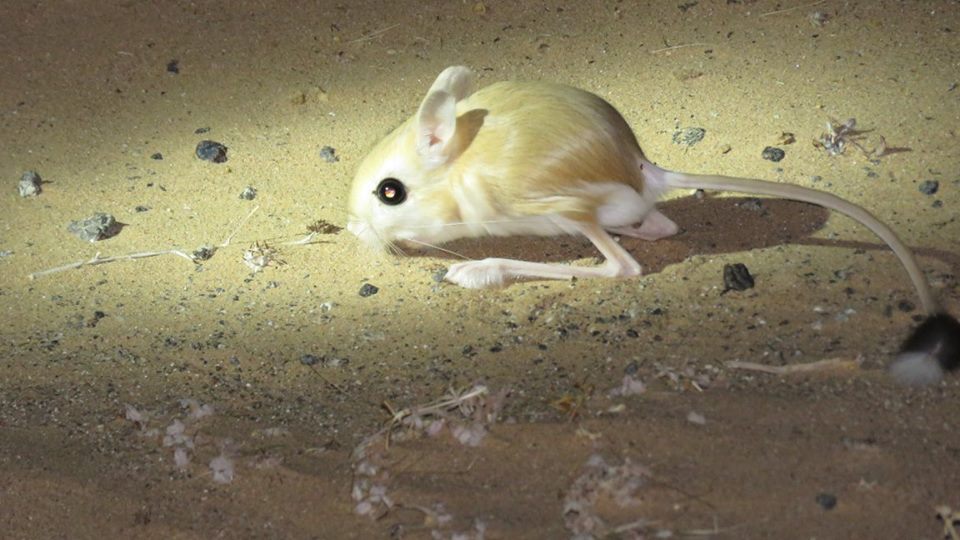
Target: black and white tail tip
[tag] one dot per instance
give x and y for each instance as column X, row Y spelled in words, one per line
column 932, row 350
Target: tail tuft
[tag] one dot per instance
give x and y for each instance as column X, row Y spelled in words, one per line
column 932, row 350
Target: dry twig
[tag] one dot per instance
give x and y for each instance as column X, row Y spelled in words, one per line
column 819, row 365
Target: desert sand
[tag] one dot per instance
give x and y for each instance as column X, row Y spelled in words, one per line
column 162, row 398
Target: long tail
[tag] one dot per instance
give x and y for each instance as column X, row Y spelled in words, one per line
column 799, row 193
column 932, row 349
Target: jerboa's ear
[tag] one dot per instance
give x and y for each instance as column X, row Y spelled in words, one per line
column 437, row 117
column 455, row 80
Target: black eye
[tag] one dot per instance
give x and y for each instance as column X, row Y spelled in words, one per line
column 391, row 192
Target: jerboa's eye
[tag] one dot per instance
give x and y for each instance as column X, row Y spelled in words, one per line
column 391, row 191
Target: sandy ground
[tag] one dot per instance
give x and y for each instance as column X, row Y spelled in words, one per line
column 98, row 362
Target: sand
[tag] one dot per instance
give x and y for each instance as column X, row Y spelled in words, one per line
column 97, row 361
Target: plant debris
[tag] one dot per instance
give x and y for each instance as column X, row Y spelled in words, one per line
column 603, row 482
column 951, row 520
column 260, row 255
column 322, row 226
column 467, row 414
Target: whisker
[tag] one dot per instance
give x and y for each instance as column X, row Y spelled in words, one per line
column 438, row 248
column 457, row 223
column 397, row 250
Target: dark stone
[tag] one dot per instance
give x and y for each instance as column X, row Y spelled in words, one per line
column 772, row 153
column 203, row 253
column 826, row 501
column 329, row 154
column 212, row 151
column 736, row 277
column 309, row 360
column 929, row 187
column 368, row 289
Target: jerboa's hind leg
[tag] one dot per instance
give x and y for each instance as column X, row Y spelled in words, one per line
column 654, row 226
column 498, row 272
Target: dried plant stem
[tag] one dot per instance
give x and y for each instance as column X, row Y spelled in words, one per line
column 373, row 34
column 97, row 259
column 784, row 10
column 820, row 365
column 439, row 406
column 303, row 241
column 243, row 222
column 330, row 383
column 673, row 47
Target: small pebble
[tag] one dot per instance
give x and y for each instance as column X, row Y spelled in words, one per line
column 97, row 227
column 212, row 151
column 689, row 136
column 368, row 290
column 203, row 253
column 329, row 154
column 906, row 306
column 696, row 418
column 201, row 131
column 309, row 360
column 29, row 185
column 631, row 368
column 819, row 18
column 173, row 66
column 249, row 193
column 335, row 362
column 772, row 153
column 736, row 277
column 753, row 204
column 929, row 187
column 826, row 501
column 141, row 208
column 156, row 156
